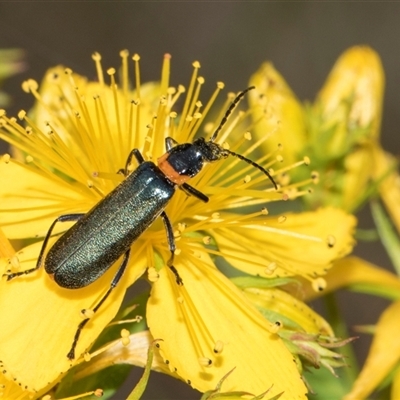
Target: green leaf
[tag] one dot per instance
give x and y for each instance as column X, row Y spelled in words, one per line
column 389, row 238
column 375, row 289
column 139, row 389
column 109, row 380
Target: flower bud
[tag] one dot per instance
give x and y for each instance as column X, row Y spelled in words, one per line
column 350, row 103
column 277, row 113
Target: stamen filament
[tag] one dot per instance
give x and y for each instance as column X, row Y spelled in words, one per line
column 120, row 145
column 206, row 109
column 165, row 72
column 103, row 125
column 176, row 96
column 124, row 54
column 305, row 161
column 196, row 66
column 136, row 59
column 200, row 82
column 97, row 60
column 131, row 135
column 158, row 133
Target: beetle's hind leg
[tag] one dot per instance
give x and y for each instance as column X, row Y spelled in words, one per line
column 114, row 283
column 62, row 218
column 172, row 247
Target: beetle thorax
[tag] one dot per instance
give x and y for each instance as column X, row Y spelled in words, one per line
column 186, row 160
column 181, row 163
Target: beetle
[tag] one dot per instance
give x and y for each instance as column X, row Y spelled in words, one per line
column 104, row 234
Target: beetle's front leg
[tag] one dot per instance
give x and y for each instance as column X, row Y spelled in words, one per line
column 139, row 158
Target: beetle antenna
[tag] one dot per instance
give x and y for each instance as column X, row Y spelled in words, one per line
column 263, row 170
column 229, row 111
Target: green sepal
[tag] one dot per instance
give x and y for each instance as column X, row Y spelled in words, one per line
column 244, row 282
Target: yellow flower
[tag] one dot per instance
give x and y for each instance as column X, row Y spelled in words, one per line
column 66, row 159
column 338, row 132
column 358, row 275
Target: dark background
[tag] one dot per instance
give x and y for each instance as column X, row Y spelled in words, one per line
column 231, row 40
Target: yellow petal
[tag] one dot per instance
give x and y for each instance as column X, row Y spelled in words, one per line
column 6, row 249
column 290, row 307
column 31, row 201
column 353, row 271
column 279, row 113
column 12, row 391
column 383, row 356
column 296, row 244
column 39, row 319
column 356, row 179
column 395, row 392
column 207, row 328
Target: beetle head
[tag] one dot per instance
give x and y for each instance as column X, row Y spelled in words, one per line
column 210, row 151
column 184, row 161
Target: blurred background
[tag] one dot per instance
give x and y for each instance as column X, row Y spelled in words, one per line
column 231, row 40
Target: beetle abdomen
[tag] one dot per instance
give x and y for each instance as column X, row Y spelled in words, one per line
column 107, row 231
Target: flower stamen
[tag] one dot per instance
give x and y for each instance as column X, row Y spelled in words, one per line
column 165, row 72
column 196, row 67
column 199, row 121
column 114, row 88
column 96, row 57
column 124, row 54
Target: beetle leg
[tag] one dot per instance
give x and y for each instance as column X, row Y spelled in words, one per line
column 170, row 143
column 139, row 158
column 172, row 247
column 114, row 283
column 62, row 218
column 191, row 191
